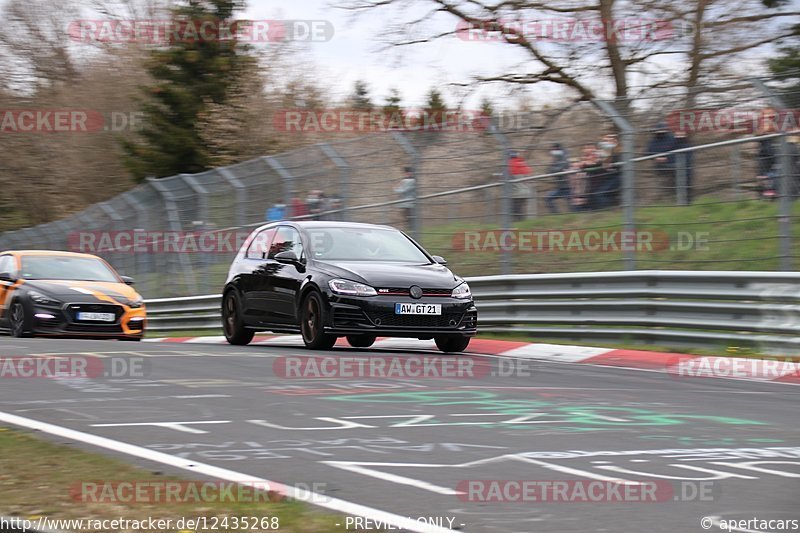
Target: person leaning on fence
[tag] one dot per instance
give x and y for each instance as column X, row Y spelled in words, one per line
column 407, row 191
column 558, row 163
column 517, row 168
column 577, row 186
column 664, row 166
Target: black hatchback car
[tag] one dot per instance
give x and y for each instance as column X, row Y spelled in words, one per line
column 338, row 279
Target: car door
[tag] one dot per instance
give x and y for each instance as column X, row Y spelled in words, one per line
column 8, row 264
column 251, row 278
column 286, row 278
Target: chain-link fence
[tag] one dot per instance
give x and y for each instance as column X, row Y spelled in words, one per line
column 704, row 182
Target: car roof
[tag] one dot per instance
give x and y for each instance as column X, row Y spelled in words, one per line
column 49, row 252
column 324, row 224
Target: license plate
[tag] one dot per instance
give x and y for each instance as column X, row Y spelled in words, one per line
column 418, row 309
column 97, row 317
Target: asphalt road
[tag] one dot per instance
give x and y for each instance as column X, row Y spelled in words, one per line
column 715, row 448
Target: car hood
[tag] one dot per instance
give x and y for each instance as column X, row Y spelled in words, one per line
column 434, row 276
column 84, row 291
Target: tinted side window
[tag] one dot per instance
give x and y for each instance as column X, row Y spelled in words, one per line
column 287, row 239
column 258, row 248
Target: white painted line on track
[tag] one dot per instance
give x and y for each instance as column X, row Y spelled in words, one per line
column 334, row 504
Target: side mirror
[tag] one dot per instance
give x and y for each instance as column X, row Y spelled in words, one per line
column 6, row 276
column 127, row 280
column 287, row 257
column 439, row 259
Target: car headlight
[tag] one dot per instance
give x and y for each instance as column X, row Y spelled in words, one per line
column 351, row 288
column 42, row 299
column 136, row 303
column 462, row 291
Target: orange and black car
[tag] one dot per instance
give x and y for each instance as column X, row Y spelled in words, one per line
column 67, row 294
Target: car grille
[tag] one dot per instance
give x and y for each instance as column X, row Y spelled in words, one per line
column 73, row 310
column 396, row 291
column 94, row 327
column 447, row 320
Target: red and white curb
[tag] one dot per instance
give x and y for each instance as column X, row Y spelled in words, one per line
column 679, row 365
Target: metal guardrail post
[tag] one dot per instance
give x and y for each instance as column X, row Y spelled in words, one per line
column 413, row 154
column 506, row 264
column 786, row 178
column 241, row 194
column 627, row 133
column 286, row 176
column 344, row 174
column 175, row 225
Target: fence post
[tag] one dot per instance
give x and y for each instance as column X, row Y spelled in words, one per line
column 786, row 178
column 175, row 225
column 627, row 133
column 286, row 176
column 683, row 179
column 344, row 174
column 241, row 194
column 413, row 154
column 506, row 265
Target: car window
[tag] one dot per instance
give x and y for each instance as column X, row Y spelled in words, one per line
column 7, row 264
column 363, row 244
column 67, row 268
column 287, row 239
column 258, row 248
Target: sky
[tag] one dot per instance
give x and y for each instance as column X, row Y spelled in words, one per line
column 357, row 53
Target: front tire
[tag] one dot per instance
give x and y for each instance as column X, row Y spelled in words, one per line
column 232, row 324
column 312, row 321
column 18, row 320
column 361, row 341
column 452, row 344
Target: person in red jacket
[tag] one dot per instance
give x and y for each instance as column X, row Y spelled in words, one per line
column 517, row 167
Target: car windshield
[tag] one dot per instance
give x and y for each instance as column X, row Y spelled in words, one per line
column 66, row 268
column 363, row 244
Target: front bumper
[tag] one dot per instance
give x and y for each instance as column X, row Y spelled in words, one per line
column 375, row 315
column 63, row 320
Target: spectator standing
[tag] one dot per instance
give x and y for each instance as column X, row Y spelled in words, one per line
column 682, row 141
column 608, row 186
column 276, row 212
column 664, row 166
column 407, row 191
column 559, row 163
column 298, row 207
column 517, row 167
column 594, row 175
column 768, row 161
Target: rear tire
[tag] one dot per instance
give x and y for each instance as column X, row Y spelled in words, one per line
column 361, row 341
column 232, row 325
column 18, row 321
column 312, row 323
column 452, row 344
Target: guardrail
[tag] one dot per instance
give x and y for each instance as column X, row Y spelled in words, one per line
column 680, row 308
